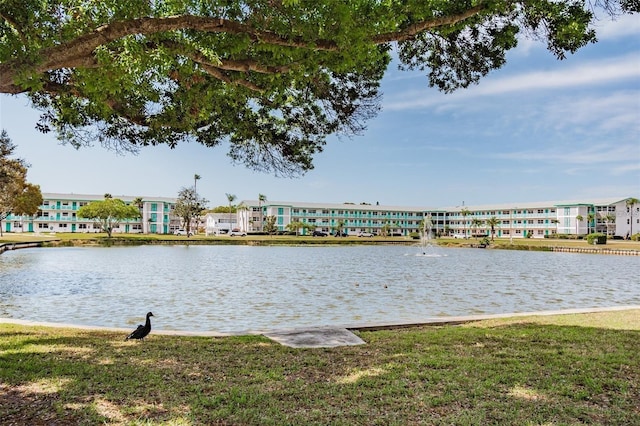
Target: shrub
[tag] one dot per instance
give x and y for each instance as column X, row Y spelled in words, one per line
column 597, row 238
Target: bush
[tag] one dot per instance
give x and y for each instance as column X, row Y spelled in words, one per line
column 597, row 238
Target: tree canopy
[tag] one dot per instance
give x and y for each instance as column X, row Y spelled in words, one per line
column 17, row 196
column 108, row 213
column 272, row 78
column 189, row 207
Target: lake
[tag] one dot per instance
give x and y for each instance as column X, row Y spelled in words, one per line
column 248, row 288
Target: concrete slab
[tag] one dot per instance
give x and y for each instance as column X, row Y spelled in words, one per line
column 320, row 337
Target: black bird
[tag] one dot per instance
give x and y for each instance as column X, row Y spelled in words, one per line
column 142, row 330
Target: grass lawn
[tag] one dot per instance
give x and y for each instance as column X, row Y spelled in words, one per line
column 548, row 370
column 101, row 238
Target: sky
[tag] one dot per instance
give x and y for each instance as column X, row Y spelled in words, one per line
column 538, row 129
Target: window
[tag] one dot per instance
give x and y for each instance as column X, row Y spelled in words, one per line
column 82, row 226
column 45, row 203
column 62, row 225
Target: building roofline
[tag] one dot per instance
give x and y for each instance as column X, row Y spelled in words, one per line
column 97, row 197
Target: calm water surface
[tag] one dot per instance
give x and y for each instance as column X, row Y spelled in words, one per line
column 242, row 288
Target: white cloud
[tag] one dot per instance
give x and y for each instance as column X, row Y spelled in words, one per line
column 589, row 74
column 623, row 26
column 625, row 155
column 615, row 111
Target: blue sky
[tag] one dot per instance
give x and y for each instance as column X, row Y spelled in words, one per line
column 538, row 129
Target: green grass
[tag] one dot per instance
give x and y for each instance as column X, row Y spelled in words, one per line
column 551, row 370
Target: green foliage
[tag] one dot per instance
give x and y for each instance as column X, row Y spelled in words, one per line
column 189, row 206
column 17, row 196
column 28, row 201
column 224, row 209
column 270, row 226
column 596, row 238
column 296, row 226
column 271, row 78
column 108, row 213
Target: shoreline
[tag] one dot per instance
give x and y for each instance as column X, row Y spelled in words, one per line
column 565, row 246
column 432, row 321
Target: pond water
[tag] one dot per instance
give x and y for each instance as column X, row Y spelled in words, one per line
column 246, row 288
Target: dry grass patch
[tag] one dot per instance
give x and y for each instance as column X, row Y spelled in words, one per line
column 627, row 319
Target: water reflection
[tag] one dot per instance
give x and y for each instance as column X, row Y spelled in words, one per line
column 238, row 288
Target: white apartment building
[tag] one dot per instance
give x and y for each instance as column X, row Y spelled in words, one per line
column 610, row 216
column 220, row 223
column 517, row 220
column 58, row 213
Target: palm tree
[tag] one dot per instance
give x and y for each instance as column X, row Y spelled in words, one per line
column 492, row 222
column 196, row 178
column 590, row 218
column 242, row 207
column 295, row 226
column 476, row 223
column 139, row 203
column 107, row 196
column 607, row 219
column 230, row 198
column 631, row 202
column 339, row 227
column 579, row 219
column 261, row 199
column 465, row 212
